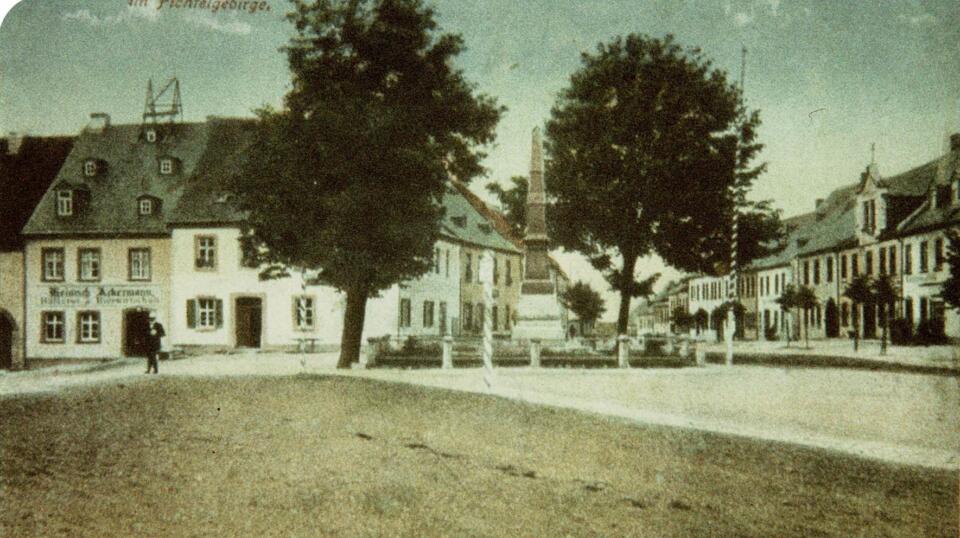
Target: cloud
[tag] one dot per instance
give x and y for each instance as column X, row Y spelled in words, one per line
column 129, row 15
column 206, row 20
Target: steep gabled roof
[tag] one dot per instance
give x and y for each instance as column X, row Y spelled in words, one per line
column 132, row 170
column 914, row 182
column 928, row 217
column 25, row 176
column 464, row 221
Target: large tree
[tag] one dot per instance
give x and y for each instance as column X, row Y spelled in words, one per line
column 885, row 296
column 513, row 202
column 585, row 302
column 347, row 178
column 860, row 292
column 649, row 151
column 951, row 287
column 806, row 300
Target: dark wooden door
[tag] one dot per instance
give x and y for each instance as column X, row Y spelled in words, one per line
column 136, row 333
column 249, row 321
column 6, row 343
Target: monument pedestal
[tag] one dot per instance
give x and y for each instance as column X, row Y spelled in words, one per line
column 539, row 316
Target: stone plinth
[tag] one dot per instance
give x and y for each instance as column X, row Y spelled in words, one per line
column 539, row 317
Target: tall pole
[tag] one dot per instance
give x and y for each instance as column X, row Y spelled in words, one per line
column 733, row 293
column 486, row 277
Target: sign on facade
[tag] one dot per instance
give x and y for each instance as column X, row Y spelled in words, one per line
column 95, row 296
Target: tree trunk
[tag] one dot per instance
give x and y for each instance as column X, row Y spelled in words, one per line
column 629, row 264
column 787, row 325
column 883, row 333
column 806, row 331
column 352, row 336
column 856, row 327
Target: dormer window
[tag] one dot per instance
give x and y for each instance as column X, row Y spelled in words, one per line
column 90, row 168
column 64, row 203
column 166, row 166
column 870, row 216
column 146, row 206
column 151, row 135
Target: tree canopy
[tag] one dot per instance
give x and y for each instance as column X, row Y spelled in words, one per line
column 951, row 287
column 583, row 301
column 649, row 151
column 347, row 178
column 513, row 201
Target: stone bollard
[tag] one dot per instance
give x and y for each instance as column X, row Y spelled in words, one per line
column 535, row 353
column 623, row 351
column 668, row 347
column 447, row 352
column 684, row 349
column 701, row 355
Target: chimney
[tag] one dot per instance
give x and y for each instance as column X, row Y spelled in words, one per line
column 99, row 122
column 14, row 140
column 955, row 142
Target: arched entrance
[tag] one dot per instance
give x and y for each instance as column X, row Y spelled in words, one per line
column 8, row 339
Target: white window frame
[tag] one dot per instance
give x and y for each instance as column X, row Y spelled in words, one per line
column 206, row 252
column 145, row 206
column 88, row 327
column 90, row 168
column 53, row 264
column 306, row 312
column 138, row 260
column 151, row 135
column 88, row 265
column 206, row 313
column 166, row 166
column 56, row 320
column 65, row 203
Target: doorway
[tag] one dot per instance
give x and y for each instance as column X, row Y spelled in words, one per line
column 869, row 321
column 136, row 333
column 6, row 341
column 248, row 321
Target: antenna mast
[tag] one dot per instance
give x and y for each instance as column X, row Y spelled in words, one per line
column 165, row 104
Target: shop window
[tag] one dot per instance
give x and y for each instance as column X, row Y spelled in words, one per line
column 206, row 252
column 53, row 327
column 88, row 264
column 64, row 203
column 304, row 313
column 139, row 264
column 52, row 259
column 88, row 327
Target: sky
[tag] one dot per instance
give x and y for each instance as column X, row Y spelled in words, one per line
column 829, row 78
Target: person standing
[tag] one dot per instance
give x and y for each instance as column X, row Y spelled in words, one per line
column 154, row 341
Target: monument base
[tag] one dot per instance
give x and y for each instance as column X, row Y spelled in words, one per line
column 539, row 316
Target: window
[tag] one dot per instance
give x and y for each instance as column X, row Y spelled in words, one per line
column 206, row 247
column 830, row 269
column 468, row 269
column 496, row 319
column 924, row 257
column 478, row 317
column 436, row 261
column 868, row 261
column 443, row 318
column 428, row 313
column 506, row 317
column 923, row 309
column 88, row 264
column 854, row 265
column 139, row 264
column 845, row 314
column 166, row 166
column 64, row 203
column 907, row 258
column 892, row 260
column 52, row 264
column 816, row 271
column 447, row 262
column 467, row 316
column 938, row 255
column 404, row 312
column 304, row 315
column 806, row 273
column 509, row 273
column 843, row 267
column 208, row 313
column 943, row 196
column 151, row 135
column 90, row 168
column 88, row 327
column 882, row 262
column 146, row 206
column 53, row 324
column 496, row 271
column 908, row 309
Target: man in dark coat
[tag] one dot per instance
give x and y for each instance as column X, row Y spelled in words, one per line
column 154, row 344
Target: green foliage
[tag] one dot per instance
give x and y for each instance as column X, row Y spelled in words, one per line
column 645, row 146
column 583, row 301
column 860, row 290
column 513, row 200
column 951, row 287
column 348, row 177
column 789, row 298
column 806, row 298
column 681, row 319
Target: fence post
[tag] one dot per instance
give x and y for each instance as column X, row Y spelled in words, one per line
column 684, row 348
column 623, row 351
column 447, row 352
column 668, row 347
column 535, row 353
column 701, row 355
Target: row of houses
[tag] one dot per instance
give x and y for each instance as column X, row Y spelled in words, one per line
column 125, row 222
column 891, row 226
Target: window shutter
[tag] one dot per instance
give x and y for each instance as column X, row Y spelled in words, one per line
column 219, row 312
column 192, row 313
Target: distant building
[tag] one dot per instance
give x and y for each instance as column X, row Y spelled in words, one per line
column 28, row 165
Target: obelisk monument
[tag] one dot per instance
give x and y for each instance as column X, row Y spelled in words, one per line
column 539, row 312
